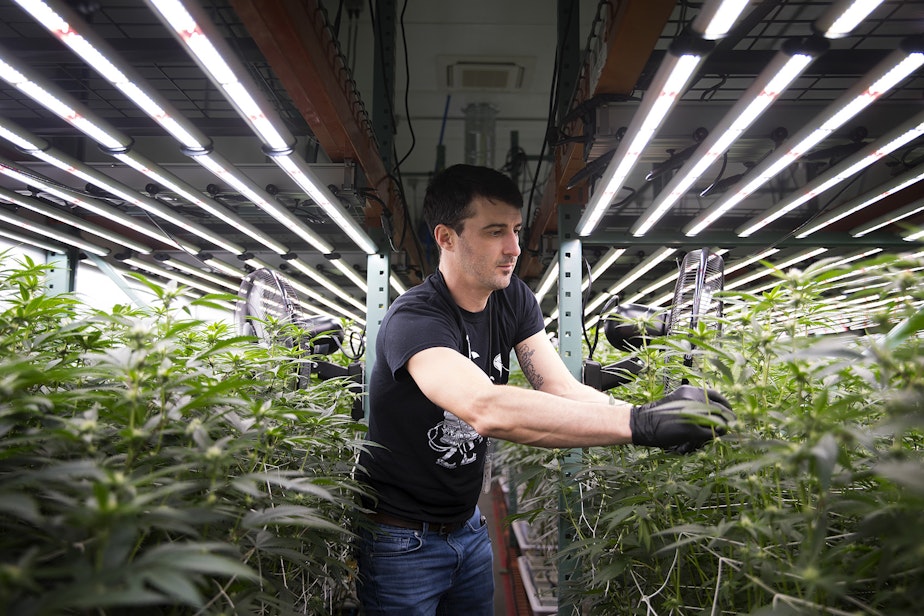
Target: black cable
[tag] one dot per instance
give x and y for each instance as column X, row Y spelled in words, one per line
column 407, row 89
column 584, row 298
column 821, row 211
column 550, row 121
column 719, row 175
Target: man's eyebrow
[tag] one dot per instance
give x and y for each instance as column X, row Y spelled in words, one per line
column 500, row 225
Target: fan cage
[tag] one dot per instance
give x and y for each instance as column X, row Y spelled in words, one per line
column 265, row 296
column 702, row 275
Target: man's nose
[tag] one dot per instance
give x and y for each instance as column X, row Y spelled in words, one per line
column 513, row 245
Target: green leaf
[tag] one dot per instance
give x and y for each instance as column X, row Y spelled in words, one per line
column 904, row 330
column 197, row 558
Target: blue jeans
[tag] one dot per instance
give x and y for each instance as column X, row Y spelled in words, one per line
column 424, row 573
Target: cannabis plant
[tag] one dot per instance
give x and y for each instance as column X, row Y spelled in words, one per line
column 155, row 464
column 810, row 505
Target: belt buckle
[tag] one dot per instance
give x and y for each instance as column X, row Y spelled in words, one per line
column 446, row 528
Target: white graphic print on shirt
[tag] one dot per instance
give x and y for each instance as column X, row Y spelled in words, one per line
column 455, row 439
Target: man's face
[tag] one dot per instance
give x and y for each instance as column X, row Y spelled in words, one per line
column 490, row 244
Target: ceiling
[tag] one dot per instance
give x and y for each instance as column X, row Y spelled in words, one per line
column 539, row 90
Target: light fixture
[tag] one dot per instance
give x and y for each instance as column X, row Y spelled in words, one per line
column 31, row 241
column 61, row 21
column 172, row 183
column 313, row 273
column 847, row 168
column 667, row 86
column 42, row 150
column 634, row 274
column 68, row 218
column 10, row 169
column 51, row 233
column 301, row 172
column 684, row 56
column 786, row 65
column 886, row 75
column 396, row 284
column 199, row 273
column 866, row 200
column 214, row 59
column 612, row 255
column 223, row 267
column 88, row 174
column 548, row 280
column 915, row 207
column 226, row 172
column 347, row 270
column 798, row 258
column 195, row 282
column 212, row 54
column 64, row 23
column 58, row 103
column 843, row 16
column 715, row 19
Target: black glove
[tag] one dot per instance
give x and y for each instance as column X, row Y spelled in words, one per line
column 682, row 421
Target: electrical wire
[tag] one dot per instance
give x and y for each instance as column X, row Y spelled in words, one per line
column 407, row 88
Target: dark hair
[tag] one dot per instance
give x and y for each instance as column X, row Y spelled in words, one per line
column 452, row 191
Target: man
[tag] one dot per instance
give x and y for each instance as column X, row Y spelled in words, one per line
column 438, row 392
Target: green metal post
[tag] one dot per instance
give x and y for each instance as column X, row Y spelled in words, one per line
column 570, row 324
column 61, row 276
column 377, row 301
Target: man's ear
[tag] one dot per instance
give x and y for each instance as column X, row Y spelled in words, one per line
column 444, row 236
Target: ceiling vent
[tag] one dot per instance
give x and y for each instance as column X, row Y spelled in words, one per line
column 485, row 74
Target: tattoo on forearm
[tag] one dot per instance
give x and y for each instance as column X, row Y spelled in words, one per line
column 529, row 369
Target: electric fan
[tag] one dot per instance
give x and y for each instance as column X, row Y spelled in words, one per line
column 702, row 275
column 268, row 304
column 626, row 326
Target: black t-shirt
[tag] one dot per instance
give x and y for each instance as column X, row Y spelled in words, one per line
column 427, row 464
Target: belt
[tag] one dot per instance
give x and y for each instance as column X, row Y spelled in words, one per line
column 443, row 528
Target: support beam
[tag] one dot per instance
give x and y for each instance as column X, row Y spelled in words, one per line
column 570, row 272
column 299, row 45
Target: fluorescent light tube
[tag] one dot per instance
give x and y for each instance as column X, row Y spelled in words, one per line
column 716, row 18
column 105, row 211
column 634, row 274
column 327, row 284
column 48, row 232
column 881, row 192
column 36, row 242
column 224, row 170
column 299, row 171
column 549, row 279
column 889, row 72
column 667, row 86
column 215, row 58
column 802, row 256
column 172, row 183
column 220, row 64
column 189, row 281
column 842, row 171
column 788, row 64
column 843, row 16
column 61, row 104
